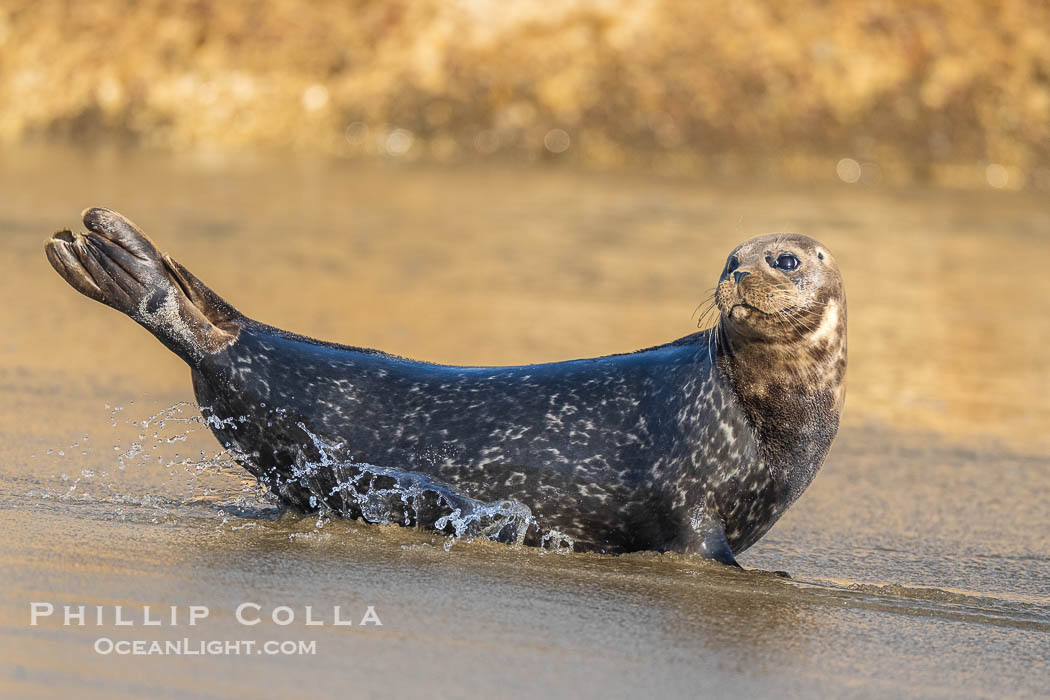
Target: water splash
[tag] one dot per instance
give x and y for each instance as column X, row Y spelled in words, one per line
column 337, row 487
column 384, row 495
column 144, row 444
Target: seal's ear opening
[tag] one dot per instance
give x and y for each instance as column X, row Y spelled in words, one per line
column 117, row 264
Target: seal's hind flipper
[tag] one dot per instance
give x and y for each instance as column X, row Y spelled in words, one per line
column 117, row 264
column 215, row 308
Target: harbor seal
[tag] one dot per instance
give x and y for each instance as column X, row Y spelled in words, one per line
column 695, row 446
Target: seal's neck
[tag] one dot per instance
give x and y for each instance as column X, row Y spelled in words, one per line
column 791, row 393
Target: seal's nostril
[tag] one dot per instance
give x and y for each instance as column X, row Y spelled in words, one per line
column 737, row 276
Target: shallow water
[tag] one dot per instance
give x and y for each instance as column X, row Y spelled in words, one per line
column 920, row 557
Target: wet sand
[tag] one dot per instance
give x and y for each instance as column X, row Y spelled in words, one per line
column 920, row 557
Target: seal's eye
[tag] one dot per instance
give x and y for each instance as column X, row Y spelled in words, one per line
column 785, row 261
column 733, row 264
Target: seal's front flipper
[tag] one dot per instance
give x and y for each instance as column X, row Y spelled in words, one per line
column 117, row 264
column 715, row 546
column 707, row 538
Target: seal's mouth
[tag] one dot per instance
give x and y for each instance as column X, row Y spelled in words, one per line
column 742, row 310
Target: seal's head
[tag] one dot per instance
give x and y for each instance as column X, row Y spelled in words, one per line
column 780, row 288
column 782, row 311
column 782, row 317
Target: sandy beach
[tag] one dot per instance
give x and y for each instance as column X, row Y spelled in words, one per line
column 919, row 558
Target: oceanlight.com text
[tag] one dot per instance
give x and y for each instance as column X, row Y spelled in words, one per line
column 202, row 647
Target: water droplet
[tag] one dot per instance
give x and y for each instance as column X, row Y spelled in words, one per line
column 997, row 176
column 557, row 141
column 848, row 170
column 315, row 98
column 399, row 142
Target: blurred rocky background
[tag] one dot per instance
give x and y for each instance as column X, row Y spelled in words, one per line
column 951, row 93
